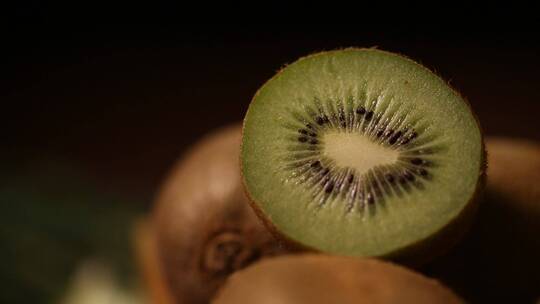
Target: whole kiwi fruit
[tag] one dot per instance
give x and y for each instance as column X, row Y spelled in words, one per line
column 205, row 227
column 362, row 152
column 325, row 279
column 499, row 260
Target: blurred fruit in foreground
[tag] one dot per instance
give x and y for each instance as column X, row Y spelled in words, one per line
column 499, row 259
column 95, row 283
column 157, row 291
column 205, row 227
column 330, row 279
column 54, row 217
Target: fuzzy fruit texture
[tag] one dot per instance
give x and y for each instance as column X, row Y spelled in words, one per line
column 325, row 279
column 205, row 227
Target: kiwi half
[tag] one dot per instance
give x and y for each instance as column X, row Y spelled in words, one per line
column 330, row 279
column 362, row 152
column 204, row 226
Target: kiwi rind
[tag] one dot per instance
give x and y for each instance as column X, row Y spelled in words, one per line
column 204, row 226
column 316, row 278
column 415, row 253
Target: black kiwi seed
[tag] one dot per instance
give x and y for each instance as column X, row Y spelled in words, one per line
column 361, row 110
column 417, row 161
column 302, row 139
column 408, row 175
column 313, row 141
column 312, row 134
column 329, row 187
column 309, row 126
column 351, row 178
column 302, row 131
column 369, row 115
column 395, row 137
column 320, row 120
column 390, row 178
column 370, row 199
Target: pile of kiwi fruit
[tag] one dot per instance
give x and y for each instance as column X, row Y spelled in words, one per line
column 356, row 176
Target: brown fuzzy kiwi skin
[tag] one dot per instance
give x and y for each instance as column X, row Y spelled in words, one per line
column 316, row 278
column 499, row 260
column 205, row 229
column 414, row 255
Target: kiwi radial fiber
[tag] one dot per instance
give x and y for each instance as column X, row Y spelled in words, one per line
column 362, row 152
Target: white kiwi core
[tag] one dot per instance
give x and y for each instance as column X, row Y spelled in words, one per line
column 357, row 151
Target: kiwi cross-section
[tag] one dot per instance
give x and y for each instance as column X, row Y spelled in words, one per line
column 362, row 152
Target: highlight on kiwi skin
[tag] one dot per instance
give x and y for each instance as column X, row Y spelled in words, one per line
column 362, row 152
column 316, row 279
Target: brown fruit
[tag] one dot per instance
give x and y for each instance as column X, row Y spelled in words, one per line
column 514, row 172
column 499, row 259
column 144, row 239
column 330, row 279
column 205, row 227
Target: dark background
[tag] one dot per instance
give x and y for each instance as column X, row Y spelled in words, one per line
column 120, row 103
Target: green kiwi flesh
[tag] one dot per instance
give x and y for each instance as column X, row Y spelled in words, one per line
column 360, row 152
column 317, row 279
